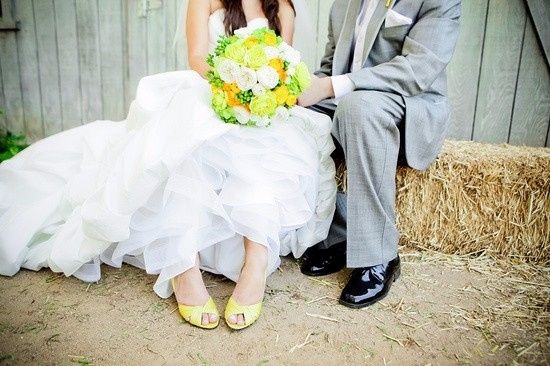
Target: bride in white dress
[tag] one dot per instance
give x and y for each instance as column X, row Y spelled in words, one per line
column 172, row 189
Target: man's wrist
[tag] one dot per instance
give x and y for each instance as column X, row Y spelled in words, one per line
column 341, row 85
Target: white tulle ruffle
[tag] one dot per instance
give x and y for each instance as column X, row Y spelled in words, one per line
column 167, row 183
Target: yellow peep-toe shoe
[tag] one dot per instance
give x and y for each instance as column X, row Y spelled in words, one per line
column 251, row 313
column 193, row 314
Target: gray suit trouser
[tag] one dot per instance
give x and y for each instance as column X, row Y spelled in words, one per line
column 368, row 126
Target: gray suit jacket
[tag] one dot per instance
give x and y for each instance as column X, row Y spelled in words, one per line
column 409, row 60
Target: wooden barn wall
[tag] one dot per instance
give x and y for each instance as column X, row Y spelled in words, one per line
column 76, row 61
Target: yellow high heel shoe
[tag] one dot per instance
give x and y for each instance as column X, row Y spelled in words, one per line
column 251, row 313
column 193, row 314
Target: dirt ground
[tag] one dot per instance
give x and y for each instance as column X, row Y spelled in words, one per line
column 443, row 310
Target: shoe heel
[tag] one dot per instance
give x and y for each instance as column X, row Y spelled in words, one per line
column 397, row 274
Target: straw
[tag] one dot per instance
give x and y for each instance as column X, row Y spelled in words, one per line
column 477, row 198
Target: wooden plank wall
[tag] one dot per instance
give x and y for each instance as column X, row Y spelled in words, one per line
column 75, row 61
column 499, row 81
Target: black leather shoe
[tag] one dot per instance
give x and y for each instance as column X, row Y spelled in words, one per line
column 320, row 262
column 368, row 285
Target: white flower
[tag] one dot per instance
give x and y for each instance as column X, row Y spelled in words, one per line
column 242, row 115
column 291, row 70
column 246, row 78
column 268, row 77
column 290, row 54
column 258, row 89
column 271, row 52
column 260, row 121
column 281, row 114
column 227, row 70
column 243, row 32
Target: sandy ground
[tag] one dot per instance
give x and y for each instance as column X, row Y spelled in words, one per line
column 443, row 310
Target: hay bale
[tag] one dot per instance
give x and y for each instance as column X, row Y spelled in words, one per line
column 477, row 198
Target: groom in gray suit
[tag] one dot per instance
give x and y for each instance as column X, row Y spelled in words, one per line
column 383, row 81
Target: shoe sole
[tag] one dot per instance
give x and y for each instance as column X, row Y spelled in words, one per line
column 360, row 306
column 314, row 274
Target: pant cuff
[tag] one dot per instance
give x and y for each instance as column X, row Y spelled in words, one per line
column 328, row 242
column 352, row 260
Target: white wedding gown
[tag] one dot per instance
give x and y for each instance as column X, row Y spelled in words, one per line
column 169, row 182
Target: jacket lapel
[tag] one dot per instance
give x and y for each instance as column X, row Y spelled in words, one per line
column 375, row 23
column 345, row 40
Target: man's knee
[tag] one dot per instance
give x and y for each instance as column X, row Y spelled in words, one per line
column 364, row 109
column 358, row 97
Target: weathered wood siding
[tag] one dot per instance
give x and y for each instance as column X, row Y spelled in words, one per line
column 75, row 61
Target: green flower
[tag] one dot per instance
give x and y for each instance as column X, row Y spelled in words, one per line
column 214, row 79
column 260, row 32
column 268, row 36
column 222, row 109
column 219, row 101
column 236, row 51
column 222, row 43
column 302, row 76
column 245, row 96
column 228, row 115
column 255, row 57
column 294, row 87
column 263, row 104
column 210, row 59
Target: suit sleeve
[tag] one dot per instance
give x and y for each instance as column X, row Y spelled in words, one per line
column 426, row 51
column 326, row 62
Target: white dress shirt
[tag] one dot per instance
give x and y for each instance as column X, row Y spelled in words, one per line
column 342, row 84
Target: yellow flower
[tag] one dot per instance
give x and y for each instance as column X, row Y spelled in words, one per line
column 232, row 100
column 277, row 64
column 250, row 42
column 231, row 88
column 281, row 93
column 291, row 100
column 270, row 39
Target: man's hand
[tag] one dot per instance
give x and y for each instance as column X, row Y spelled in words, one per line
column 320, row 89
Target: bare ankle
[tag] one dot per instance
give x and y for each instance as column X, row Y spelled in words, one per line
column 190, row 288
column 255, row 264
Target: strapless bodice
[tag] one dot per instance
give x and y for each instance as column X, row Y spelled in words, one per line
column 216, row 27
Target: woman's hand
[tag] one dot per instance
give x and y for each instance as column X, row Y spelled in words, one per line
column 320, row 89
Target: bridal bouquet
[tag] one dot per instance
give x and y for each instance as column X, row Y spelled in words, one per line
column 255, row 77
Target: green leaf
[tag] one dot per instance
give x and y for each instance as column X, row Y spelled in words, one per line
column 10, row 145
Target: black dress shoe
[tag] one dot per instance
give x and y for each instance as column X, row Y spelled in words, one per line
column 320, row 262
column 368, row 285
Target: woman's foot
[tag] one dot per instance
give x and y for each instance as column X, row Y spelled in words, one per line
column 250, row 287
column 190, row 290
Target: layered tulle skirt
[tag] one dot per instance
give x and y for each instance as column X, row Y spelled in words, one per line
column 167, row 183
